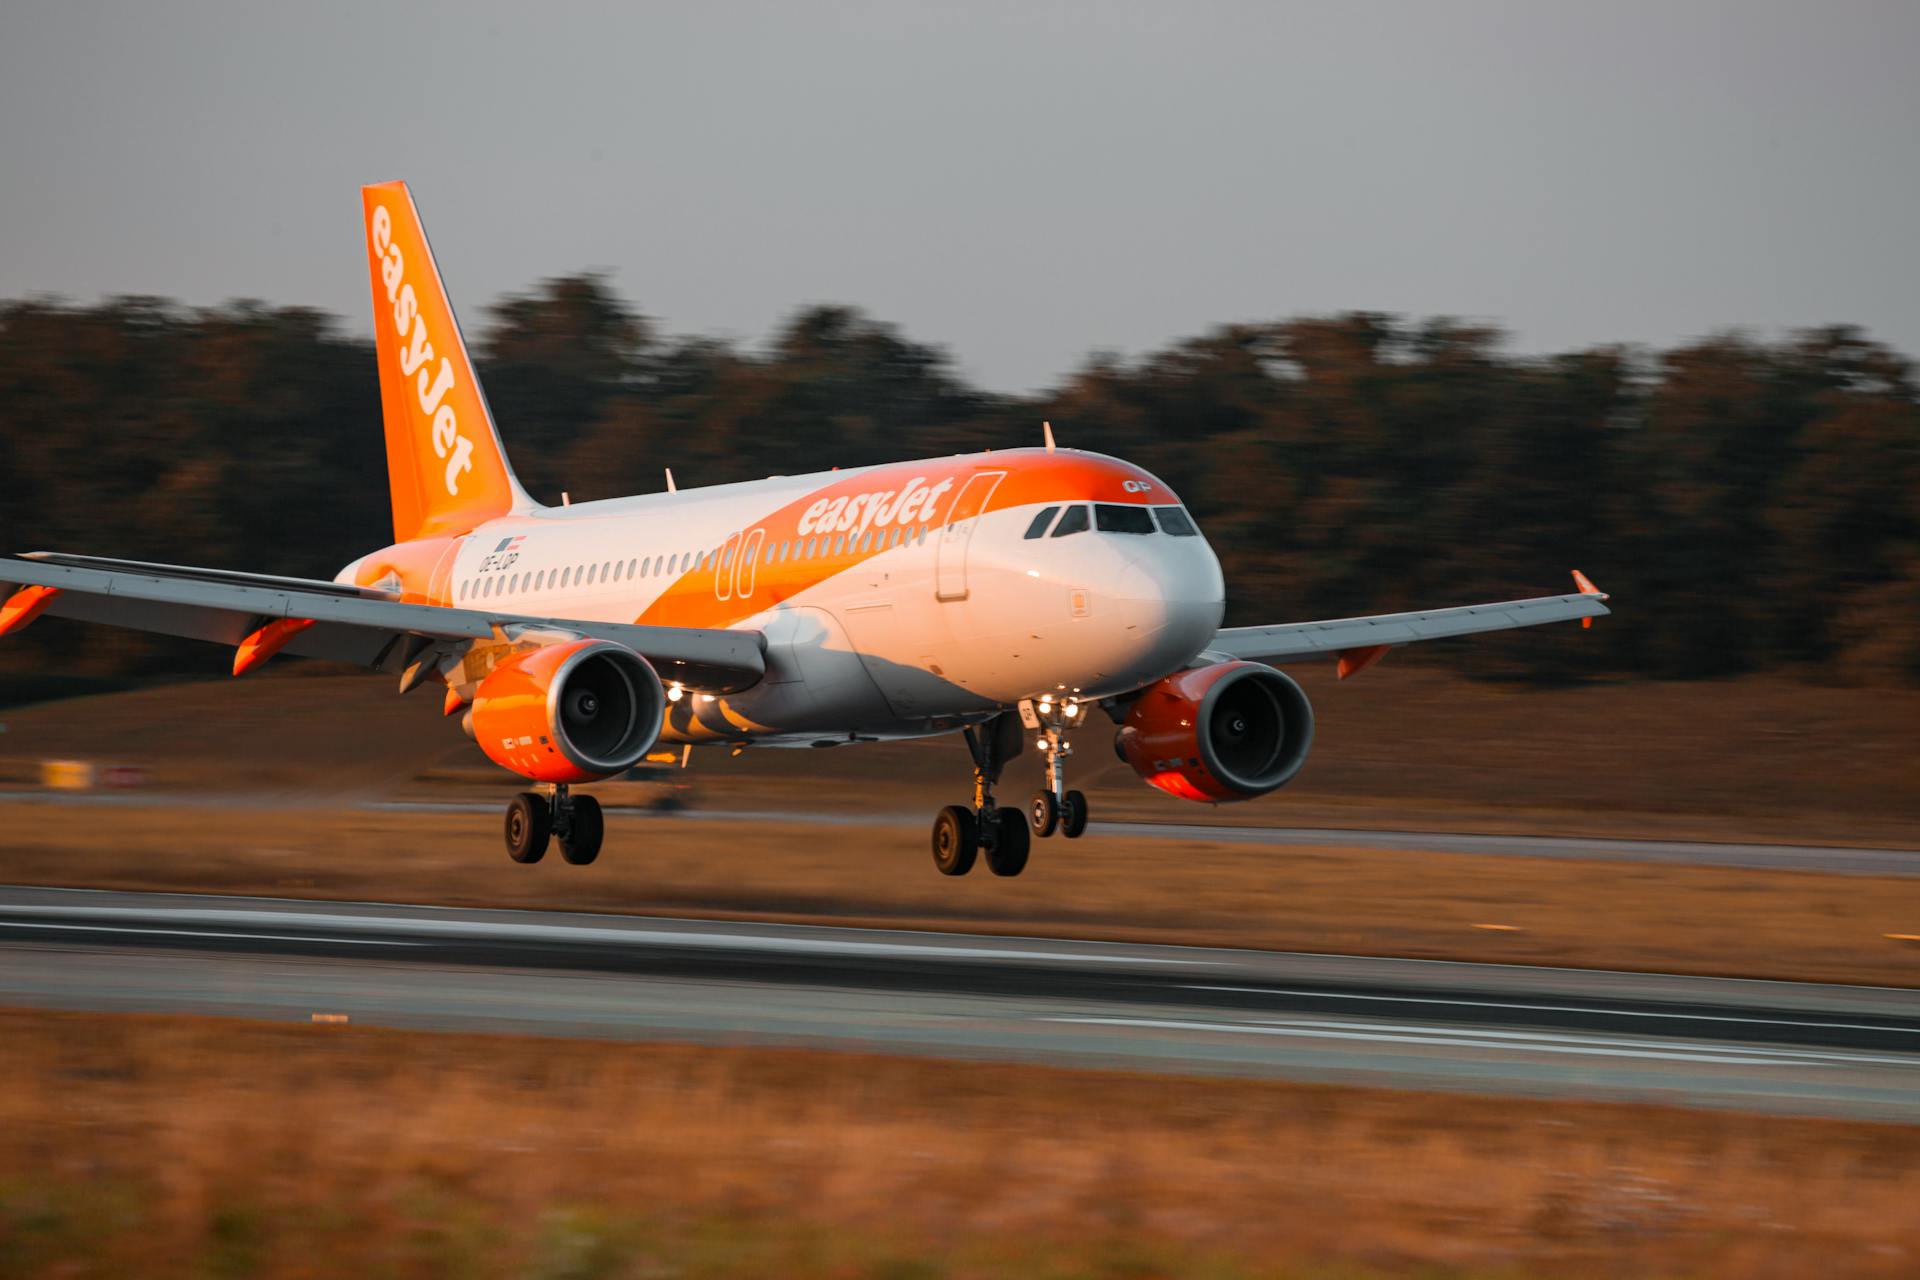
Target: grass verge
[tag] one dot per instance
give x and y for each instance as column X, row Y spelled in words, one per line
column 191, row 1147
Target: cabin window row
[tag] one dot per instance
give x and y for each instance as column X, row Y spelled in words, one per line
column 719, row 559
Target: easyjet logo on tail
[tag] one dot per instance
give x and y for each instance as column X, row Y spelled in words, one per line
column 432, row 382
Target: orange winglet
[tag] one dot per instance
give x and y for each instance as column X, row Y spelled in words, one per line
column 23, row 606
column 1587, row 588
column 1354, row 661
column 266, row 642
column 453, row 703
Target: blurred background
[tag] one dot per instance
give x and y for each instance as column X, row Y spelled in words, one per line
column 1412, row 305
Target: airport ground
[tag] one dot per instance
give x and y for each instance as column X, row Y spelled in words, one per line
column 187, row 1146
column 265, row 787
column 460, row 1154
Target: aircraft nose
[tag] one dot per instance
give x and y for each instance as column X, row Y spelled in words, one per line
column 1174, row 604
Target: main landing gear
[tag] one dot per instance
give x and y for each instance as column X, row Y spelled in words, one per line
column 533, row 819
column 961, row 834
column 1004, row 835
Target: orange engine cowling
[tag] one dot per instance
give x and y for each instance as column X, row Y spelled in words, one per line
column 1229, row 731
column 569, row 712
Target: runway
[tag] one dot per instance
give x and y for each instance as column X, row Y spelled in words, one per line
column 1831, row 859
column 1764, row 1046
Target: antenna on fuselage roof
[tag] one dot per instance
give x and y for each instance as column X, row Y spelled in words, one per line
column 1046, row 429
column 671, row 488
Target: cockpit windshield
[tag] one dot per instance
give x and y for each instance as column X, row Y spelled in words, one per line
column 1112, row 517
column 1175, row 521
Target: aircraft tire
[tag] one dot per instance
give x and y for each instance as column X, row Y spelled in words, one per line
column 581, row 845
column 956, row 841
column 1007, row 855
column 1073, row 816
column 1043, row 811
column 529, row 827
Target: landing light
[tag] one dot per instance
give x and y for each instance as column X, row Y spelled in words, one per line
column 1073, row 709
column 675, row 693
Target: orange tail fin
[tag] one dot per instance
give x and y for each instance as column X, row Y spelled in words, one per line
column 445, row 465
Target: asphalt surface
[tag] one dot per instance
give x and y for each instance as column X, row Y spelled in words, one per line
column 1832, row 859
column 1763, row 1046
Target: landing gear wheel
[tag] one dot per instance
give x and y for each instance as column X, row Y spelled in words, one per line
column 1044, row 812
column 1073, row 816
column 529, row 826
column 956, row 841
column 1007, row 852
column 581, row 844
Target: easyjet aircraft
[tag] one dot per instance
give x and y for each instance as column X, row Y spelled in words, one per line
column 1011, row 596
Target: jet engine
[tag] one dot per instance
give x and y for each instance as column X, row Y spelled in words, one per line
column 569, row 712
column 1228, row 731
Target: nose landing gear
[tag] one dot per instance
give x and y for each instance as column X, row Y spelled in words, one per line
column 961, row 834
column 533, row 820
column 1056, row 808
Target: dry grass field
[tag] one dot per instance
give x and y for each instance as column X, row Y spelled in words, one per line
column 188, row 1147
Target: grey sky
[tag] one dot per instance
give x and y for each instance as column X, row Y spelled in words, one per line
column 1019, row 183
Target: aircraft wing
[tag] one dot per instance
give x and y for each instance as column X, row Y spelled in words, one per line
column 350, row 624
column 1359, row 642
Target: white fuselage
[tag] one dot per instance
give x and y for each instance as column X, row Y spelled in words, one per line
column 908, row 615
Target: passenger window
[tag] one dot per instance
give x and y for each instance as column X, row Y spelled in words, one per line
column 1038, row 529
column 840, row 544
column 1111, row 517
column 1072, row 520
column 632, row 567
column 1176, row 522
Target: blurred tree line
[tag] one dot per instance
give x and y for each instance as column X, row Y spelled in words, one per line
column 1751, row 505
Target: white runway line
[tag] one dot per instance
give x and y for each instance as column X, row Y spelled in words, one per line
column 205, row 933
column 1525, row 1042
column 1554, row 1008
column 524, row 932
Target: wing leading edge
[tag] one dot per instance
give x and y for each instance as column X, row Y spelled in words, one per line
column 383, row 634
column 1360, row 642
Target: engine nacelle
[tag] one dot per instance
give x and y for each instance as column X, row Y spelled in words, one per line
column 569, row 712
column 1229, row 731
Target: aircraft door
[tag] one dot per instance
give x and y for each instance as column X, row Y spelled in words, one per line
column 950, row 554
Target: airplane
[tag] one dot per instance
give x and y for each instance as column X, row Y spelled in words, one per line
column 1005, row 596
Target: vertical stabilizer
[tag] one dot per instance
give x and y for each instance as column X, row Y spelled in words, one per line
column 445, row 465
